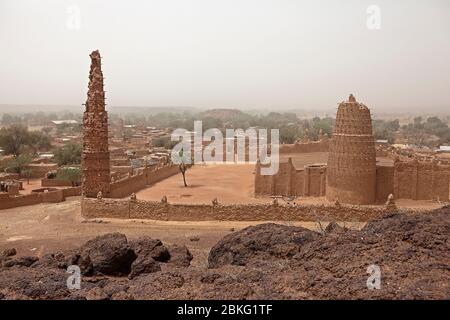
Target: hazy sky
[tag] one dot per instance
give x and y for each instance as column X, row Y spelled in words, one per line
column 228, row 53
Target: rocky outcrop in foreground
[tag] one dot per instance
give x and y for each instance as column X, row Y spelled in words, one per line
column 266, row 261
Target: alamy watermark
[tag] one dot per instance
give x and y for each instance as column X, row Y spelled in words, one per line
column 73, row 282
column 374, row 280
column 190, row 148
column 373, row 21
column 73, row 21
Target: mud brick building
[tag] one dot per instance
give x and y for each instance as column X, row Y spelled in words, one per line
column 351, row 167
column 353, row 174
column 95, row 156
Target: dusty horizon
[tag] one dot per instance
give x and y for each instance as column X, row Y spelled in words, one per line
column 303, row 55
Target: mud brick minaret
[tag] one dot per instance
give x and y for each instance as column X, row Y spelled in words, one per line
column 351, row 169
column 95, row 157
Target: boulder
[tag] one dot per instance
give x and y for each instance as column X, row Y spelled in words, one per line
column 83, row 260
column 180, row 256
column 143, row 264
column 21, row 261
column 263, row 242
column 153, row 248
column 109, row 254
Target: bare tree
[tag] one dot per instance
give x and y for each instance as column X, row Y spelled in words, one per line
column 183, row 169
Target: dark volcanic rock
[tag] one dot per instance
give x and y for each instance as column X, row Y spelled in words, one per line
column 180, row 256
column 264, row 262
column 9, row 252
column 21, row 261
column 264, row 241
column 109, row 254
column 153, row 248
column 54, row 260
column 31, row 283
column 83, row 260
column 144, row 264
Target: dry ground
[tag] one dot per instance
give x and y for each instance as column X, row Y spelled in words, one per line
column 228, row 183
column 29, row 186
column 44, row 228
column 38, row 229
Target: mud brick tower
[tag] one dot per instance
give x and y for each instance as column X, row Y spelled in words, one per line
column 95, row 157
column 351, row 169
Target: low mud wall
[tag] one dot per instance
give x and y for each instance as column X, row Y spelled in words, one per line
column 52, row 196
column 126, row 186
column 19, row 201
column 72, row 192
column 138, row 209
column 7, row 202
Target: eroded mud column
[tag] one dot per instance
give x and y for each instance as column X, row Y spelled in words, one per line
column 95, row 157
column 351, row 169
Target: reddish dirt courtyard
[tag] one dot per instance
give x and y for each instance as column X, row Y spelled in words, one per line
column 232, row 183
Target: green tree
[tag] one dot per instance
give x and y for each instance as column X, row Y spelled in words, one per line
column 69, row 174
column 8, row 119
column 38, row 140
column 18, row 164
column 68, row 154
column 14, row 139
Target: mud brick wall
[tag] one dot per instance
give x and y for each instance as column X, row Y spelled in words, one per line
column 315, row 181
column 7, row 201
column 122, row 169
column 53, row 196
column 95, row 156
column 138, row 209
column 421, row 180
column 385, row 183
column 110, row 208
column 148, row 176
column 19, row 201
column 351, row 167
column 441, row 182
column 160, row 173
column 298, row 182
column 120, row 162
column 118, row 152
column 289, row 181
column 264, row 185
column 3, row 196
column 282, row 180
column 126, row 186
column 72, row 192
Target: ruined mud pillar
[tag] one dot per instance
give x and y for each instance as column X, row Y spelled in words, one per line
column 95, row 156
column 351, row 169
